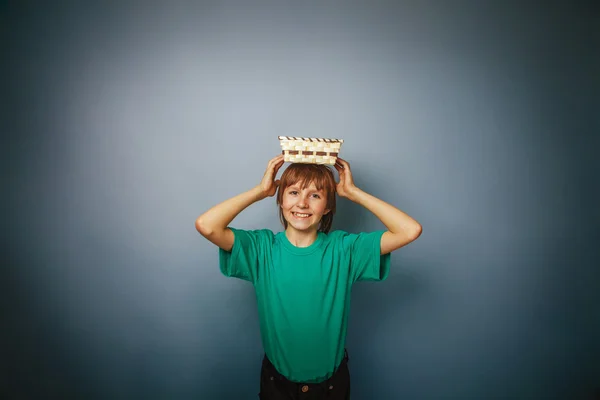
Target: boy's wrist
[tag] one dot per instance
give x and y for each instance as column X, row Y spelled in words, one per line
column 257, row 193
column 354, row 194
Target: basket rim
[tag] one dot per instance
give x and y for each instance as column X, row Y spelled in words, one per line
column 311, row 139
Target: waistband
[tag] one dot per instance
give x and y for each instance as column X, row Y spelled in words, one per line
column 325, row 384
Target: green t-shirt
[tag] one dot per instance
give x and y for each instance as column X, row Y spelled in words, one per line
column 303, row 293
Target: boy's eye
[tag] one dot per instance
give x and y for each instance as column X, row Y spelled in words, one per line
column 316, row 196
column 293, row 192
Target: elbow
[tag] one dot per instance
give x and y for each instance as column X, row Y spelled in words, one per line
column 202, row 228
column 418, row 229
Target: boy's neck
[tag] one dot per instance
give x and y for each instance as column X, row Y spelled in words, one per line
column 300, row 239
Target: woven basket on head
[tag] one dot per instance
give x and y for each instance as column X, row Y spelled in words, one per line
column 310, row 150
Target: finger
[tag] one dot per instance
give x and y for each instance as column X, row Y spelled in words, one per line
column 346, row 166
column 275, row 162
column 276, row 159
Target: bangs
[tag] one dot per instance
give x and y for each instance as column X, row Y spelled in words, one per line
column 305, row 174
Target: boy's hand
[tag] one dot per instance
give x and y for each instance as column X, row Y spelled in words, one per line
column 345, row 186
column 268, row 186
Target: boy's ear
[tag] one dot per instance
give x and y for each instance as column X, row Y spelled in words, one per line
column 326, row 212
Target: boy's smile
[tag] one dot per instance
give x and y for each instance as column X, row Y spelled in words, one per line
column 300, row 215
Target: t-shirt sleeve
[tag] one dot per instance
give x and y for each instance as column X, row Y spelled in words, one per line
column 247, row 254
column 366, row 262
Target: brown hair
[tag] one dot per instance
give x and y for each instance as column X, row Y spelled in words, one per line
column 305, row 174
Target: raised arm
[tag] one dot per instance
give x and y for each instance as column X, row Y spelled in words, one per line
column 402, row 229
column 213, row 224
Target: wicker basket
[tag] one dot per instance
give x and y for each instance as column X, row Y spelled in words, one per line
column 310, row 150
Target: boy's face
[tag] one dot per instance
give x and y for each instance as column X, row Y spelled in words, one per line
column 304, row 208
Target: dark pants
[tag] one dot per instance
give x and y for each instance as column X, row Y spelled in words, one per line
column 274, row 386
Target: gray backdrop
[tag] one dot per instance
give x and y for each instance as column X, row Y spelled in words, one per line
column 125, row 121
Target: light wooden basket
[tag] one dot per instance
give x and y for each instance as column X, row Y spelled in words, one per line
column 310, row 150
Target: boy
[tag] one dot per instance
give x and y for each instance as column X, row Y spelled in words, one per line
column 303, row 276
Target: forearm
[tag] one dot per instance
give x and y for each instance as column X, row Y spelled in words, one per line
column 395, row 220
column 220, row 216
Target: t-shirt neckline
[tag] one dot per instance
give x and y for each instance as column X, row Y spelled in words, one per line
column 301, row 250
